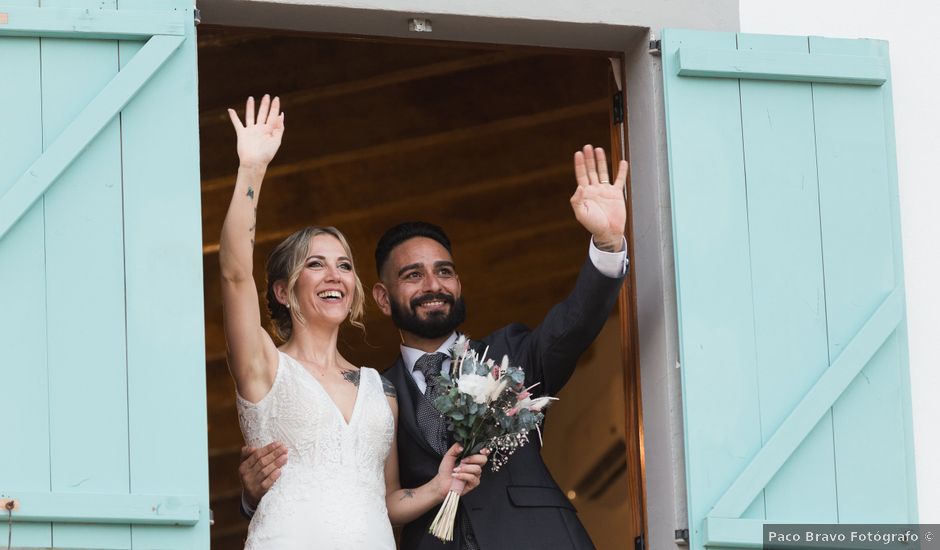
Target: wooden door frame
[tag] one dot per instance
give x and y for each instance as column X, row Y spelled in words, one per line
column 627, row 311
column 650, row 285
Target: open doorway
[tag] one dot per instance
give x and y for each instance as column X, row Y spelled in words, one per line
column 477, row 139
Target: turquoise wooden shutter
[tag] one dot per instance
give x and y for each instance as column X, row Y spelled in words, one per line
column 101, row 327
column 793, row 346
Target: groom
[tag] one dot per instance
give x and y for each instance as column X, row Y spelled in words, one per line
column 520, row 506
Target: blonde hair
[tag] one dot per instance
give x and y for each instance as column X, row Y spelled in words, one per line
column 286, row 262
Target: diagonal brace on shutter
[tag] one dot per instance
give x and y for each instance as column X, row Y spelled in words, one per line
column 102, row 109
column 820, row 398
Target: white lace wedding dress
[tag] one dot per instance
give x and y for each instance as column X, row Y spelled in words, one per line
column 331, row 493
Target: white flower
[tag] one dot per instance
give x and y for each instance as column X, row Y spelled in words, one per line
column 536, row 404
column 461, row 345
column 482, row 389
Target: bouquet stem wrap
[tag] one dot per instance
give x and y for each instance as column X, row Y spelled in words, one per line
column 443, row 525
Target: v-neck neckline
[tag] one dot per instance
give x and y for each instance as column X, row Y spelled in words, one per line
column 352, row 415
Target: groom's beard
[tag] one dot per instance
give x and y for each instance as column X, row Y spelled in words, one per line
column 437, row 324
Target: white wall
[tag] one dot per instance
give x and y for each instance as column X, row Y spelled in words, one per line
column 909, row 26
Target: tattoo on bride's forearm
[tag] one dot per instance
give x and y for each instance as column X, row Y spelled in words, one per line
column 254, row 219
column 352, row 376
column 407, row 493
column 251, row 192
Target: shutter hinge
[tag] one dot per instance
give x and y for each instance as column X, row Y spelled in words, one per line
column 197, row 16
column 618, row 108
column 656, row 47
column 682, row 537
column 639, row 543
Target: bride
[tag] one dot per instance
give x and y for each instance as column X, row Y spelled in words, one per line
column 340, row 486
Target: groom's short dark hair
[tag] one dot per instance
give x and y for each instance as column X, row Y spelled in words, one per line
column 403, row 232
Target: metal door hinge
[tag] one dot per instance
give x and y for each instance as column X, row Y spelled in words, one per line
column 197, row 16
column 656, row 47
column 682, row 537
column 417, row 24
column 618, row 108
column 639, row 543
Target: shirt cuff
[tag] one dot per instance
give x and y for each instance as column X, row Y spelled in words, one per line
column 610, row 264
column 248, row 508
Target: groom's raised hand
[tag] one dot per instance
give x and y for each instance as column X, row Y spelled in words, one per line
column 598, row 204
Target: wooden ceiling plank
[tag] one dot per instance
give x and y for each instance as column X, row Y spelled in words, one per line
column 215, row 116
column 413, row 144
column 409, row 203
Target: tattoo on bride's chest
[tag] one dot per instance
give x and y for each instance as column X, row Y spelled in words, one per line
column 351, row 376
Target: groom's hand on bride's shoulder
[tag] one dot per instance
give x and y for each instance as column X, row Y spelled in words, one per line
column 260, row 468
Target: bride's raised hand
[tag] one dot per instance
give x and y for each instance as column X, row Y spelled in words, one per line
column 260, row 136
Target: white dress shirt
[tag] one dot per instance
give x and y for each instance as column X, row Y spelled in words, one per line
column 610, row 264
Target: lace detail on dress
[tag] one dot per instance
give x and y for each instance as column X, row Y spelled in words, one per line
column 331, row 493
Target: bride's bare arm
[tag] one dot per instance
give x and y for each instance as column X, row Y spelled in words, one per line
column 252, row 356
column 406, row 505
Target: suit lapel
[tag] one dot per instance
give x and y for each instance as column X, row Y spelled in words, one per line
column 408, row 396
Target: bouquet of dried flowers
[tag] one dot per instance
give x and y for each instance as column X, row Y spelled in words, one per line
column 485, row 405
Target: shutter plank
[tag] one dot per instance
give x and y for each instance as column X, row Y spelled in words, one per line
column 713, row 274
column 787, row 270
column 85, row 282
column 24, row 464
column 166, row 347
column 857, row 190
